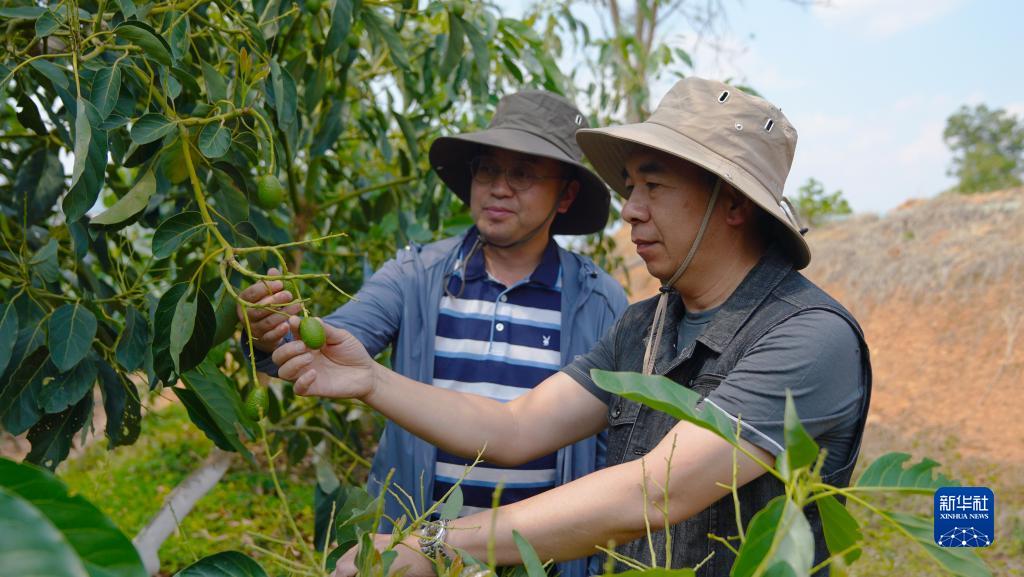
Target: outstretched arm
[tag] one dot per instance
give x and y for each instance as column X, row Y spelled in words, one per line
column 556, row 413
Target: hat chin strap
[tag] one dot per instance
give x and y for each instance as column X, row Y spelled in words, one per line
column 658, row 322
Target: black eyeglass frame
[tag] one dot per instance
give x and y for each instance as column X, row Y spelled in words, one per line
column 518, row 186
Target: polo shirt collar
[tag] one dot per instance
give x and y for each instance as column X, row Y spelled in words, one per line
column 546, row 273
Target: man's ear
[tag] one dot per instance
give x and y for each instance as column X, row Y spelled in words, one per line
column 569, row 197
column 738, row 208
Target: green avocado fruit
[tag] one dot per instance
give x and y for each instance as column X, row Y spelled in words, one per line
column 258, row 403
column 269, row 192
column 312, row 333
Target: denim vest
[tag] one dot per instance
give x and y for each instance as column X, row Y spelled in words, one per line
column 769, row 295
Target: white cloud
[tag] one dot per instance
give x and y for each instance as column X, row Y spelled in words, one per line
column 882, row 17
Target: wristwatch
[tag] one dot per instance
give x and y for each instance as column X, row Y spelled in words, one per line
column 432, row 539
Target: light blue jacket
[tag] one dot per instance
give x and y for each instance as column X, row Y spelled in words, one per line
column 399, row 306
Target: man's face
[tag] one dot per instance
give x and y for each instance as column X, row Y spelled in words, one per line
column 505, row 215
column 668, row 197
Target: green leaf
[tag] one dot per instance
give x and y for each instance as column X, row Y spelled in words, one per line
column 151, row 127
column 52, row 436
column 410, row 136
column 22, row 12
column 181, row 327
column 143, row 36
column 106, row 87
column 886, row 473
column 778, row 538
column 962, row 561
column 223, row 406
column 840, row 527
column 8, row 334
column 122, row 407
column 454, row 48
column 44, row 262
column 175, row 231
column 658, row 572
column 70, row 332
column 226, row 318
column 102, row 548
column 534, row 568
column 224, row 564
column 131, row 347
column 216, row 86
column 341, row 24
column 89, row 171
column 214, row 140
column 801, row 449
column 285, row 95
column 19, row 398
column 453, row 504
column 127, row 8
column 669, row 397
column 31, row 544
column 28, row 115
column 179, row 35
column 380, row 29
column 46, row 24
column 39, row 183
column 130, row 205
column 57, row 75
column 330, row 129
column 69, row 387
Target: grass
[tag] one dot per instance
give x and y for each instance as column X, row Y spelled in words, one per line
column 129, row 485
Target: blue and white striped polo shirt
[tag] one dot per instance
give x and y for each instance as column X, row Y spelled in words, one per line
column 498, row 342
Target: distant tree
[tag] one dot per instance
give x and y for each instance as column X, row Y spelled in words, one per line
column 815, row 205
column 988, row 149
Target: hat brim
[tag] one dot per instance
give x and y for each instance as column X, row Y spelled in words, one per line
column 450, row 157
column 608, row 148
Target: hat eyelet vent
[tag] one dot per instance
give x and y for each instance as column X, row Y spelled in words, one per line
column 769, row 125
column 739, row 127
column 723, row 96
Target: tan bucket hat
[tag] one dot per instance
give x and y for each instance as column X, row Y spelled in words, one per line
column 744, row 139
column 531, row 122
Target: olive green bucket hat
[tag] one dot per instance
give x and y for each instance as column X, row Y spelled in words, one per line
column 531, row 122
column 742, row 138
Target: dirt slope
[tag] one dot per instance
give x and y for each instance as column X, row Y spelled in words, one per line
column 938, row 286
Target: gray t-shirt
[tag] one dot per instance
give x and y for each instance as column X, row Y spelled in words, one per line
column 814, row 353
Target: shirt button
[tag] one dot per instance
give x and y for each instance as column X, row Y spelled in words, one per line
column 499, row 327
column 503, row 298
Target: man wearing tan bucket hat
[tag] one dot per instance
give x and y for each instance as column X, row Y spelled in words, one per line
column 493, row 311
column 735, row 321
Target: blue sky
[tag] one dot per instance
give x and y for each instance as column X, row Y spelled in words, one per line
column 869, row 83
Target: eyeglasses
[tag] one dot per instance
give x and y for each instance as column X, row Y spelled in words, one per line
column 519, row 177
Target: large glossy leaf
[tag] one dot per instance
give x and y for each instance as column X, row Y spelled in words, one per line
column 175, row 231
column 106, row 87
column 89, row 171
column 182, row 324
column 103, row 550
column 216, row 86
column 67, row 388
column 842, row 530
column 779, row 539
column 39, row 182
column 70, row 332
column 131, row 346
column 886, row 473
column 224, row 564
column 19, row 398
column 121, row 405
column 453, row 50
column 801, row 450
column 214, row 140
column 130, row 205
column 31, row 544
column 963, row 561
column 381, row 30
column 52, row 436
column 222, row 402
column 341, row 23
column 143, row 36
column 667, row 396
column 28, row 116
column 8, row 333
column 151, row 127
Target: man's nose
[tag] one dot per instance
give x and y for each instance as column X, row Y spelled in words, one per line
column 635, row 210
column 500, row 187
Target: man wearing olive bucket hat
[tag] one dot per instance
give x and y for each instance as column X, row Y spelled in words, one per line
column 491, row 312
column 735, row 321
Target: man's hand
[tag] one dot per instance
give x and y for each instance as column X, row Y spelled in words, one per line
column 409, row 556
column 268, row 327
column 340, row 369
